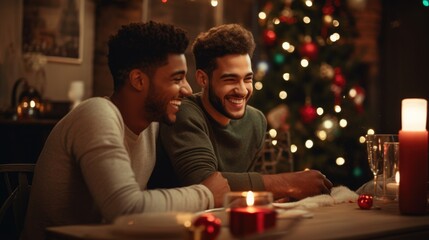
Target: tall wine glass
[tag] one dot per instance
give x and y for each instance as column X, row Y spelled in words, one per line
column 375, row 161
column 375, row 149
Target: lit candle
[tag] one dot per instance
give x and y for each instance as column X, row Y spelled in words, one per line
column 413, row 157
column 251, row 219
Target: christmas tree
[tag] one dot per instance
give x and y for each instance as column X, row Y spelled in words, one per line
column 310, row 83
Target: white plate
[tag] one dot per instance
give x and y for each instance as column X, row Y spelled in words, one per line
column 154, row 225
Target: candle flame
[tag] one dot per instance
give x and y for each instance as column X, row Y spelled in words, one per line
column 250, row 198
column 397, row 177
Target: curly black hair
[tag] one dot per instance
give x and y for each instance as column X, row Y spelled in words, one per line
column 145, row 46
column 220, row 41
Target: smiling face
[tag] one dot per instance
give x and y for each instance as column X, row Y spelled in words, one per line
column 167, row 88
column 229, row 88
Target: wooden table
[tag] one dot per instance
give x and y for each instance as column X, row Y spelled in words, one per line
column 343, row 221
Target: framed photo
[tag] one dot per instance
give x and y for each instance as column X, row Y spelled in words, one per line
column 54, row 28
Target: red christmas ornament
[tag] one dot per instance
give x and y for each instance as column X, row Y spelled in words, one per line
column 269, row 37
column 309, row 50
column 308, row 113
column 365, row 201
column 339, row 79
column 211, row 224
column 328, row 9
column 288, row 20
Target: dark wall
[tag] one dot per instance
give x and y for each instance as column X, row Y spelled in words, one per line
column 404, row 53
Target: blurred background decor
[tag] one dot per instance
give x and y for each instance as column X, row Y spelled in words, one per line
column 309, row 64
column 54, row 28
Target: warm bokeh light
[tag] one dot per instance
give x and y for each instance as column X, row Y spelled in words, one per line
column 328, row 124
column 286, row 76
column 272, row 132
column 334, row 37
column 322, row 135
column 319, row 111
column 258, row 85
column 285, row 45
column 304, row 62
column 340, row 161
column 327, row 19
column 343, row 123
column 352, row 93
column 370, row 131
column 309, row 3
column 337, row 108
column 306, row 20
column 263, row 66
column 214, row 3
column 276, row 21
column 283, row 95
column 293, row 148
column 309, row 143
column 262, row 15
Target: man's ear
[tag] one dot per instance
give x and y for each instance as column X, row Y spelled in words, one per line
column 137, row 79
column 201, row 77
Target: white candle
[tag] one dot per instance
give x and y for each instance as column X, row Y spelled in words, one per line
column 393, row 187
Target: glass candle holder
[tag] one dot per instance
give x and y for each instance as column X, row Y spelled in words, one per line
column 250, row 212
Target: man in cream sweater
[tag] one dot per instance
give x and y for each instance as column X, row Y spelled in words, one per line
column 97, row 160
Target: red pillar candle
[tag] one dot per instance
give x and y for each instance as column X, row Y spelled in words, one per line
column 413, row 158
column 248, row 220
column 250, row 212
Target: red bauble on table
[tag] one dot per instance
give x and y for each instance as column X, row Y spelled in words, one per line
column 211, row 225
column 365, row 201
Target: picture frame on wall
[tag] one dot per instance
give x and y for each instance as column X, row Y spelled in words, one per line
column 54, row 28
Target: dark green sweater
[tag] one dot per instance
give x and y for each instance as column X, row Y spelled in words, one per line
column 196, row 146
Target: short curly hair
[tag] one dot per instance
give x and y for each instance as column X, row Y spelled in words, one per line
column 144, row 46
column 220, row 41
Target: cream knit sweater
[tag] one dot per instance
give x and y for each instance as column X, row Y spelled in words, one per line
column 93, row 169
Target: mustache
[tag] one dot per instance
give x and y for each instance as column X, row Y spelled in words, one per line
column 235, row 95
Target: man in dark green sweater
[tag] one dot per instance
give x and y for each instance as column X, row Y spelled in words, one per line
column 216, row 130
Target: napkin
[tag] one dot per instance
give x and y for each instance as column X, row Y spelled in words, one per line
column 339, row 194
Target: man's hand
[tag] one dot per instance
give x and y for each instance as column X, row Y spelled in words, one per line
column 218, row 185
column 297, row 185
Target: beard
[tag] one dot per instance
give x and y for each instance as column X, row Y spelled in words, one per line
column 217, row 104
column 156, row 107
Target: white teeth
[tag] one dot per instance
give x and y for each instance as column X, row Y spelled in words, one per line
column 236, row 101
column 176, row 102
